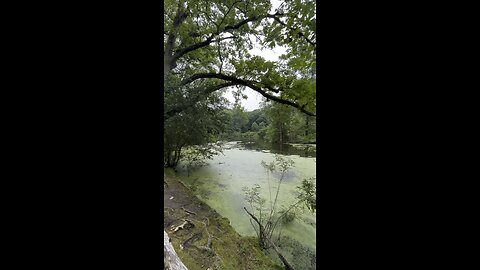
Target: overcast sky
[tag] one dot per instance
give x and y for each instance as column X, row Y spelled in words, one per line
column 254, row 98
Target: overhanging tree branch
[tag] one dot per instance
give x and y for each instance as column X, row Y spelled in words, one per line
column 284, row 101
column 227, row 78
column 250, row 84
column 172, row 54
column 211, row 76
column 180, row 16
column 181, row 52
column 219, row 31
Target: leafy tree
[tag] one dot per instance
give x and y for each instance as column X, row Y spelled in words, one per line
column 239, row 119
column 301, row 128
column 255, row 127
column 279, row 127
column 275, row 123
column 196, row 126
column 207, row 43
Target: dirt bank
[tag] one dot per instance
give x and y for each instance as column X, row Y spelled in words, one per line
column 202, row 238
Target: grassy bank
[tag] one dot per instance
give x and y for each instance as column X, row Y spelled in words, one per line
column 228, row 249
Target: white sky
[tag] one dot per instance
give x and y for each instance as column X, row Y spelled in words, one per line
column 254, row 98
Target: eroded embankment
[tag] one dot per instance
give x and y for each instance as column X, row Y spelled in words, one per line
column 202, row 238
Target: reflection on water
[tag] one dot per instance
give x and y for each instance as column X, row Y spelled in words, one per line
column 303, row 150
column 220, row 185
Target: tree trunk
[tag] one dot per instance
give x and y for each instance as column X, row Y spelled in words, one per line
column 167, row 159
column 306, row 127
column 171, row 261
column 281, row 134
column 168, row 58
column 178, row 156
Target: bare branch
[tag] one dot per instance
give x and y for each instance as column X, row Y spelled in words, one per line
column 280, row 255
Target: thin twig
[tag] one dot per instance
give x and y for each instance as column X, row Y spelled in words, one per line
column 188, row 211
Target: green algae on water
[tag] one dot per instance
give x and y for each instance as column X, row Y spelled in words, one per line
column 220, row 184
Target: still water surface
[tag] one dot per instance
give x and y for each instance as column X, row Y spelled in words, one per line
column 220, row 185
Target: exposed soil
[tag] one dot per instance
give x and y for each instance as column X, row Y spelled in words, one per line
column 178, row 197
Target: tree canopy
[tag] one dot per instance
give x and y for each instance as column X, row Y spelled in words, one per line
column 207, row 47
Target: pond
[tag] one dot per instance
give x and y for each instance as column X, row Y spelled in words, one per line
column 220, row 184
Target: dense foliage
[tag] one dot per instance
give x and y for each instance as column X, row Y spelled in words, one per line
column 207, row 47
column 207, row 43
column 273, row 123
column 197, row 127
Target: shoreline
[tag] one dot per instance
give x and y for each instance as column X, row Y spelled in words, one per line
column 203, row 225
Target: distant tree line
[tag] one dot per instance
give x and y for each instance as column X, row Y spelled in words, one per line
column 273, row 123
column 199, row 127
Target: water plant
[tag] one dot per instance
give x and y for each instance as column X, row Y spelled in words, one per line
column 266, row 218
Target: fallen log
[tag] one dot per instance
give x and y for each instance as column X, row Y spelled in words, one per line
column 182, row 226
column 171, row 261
